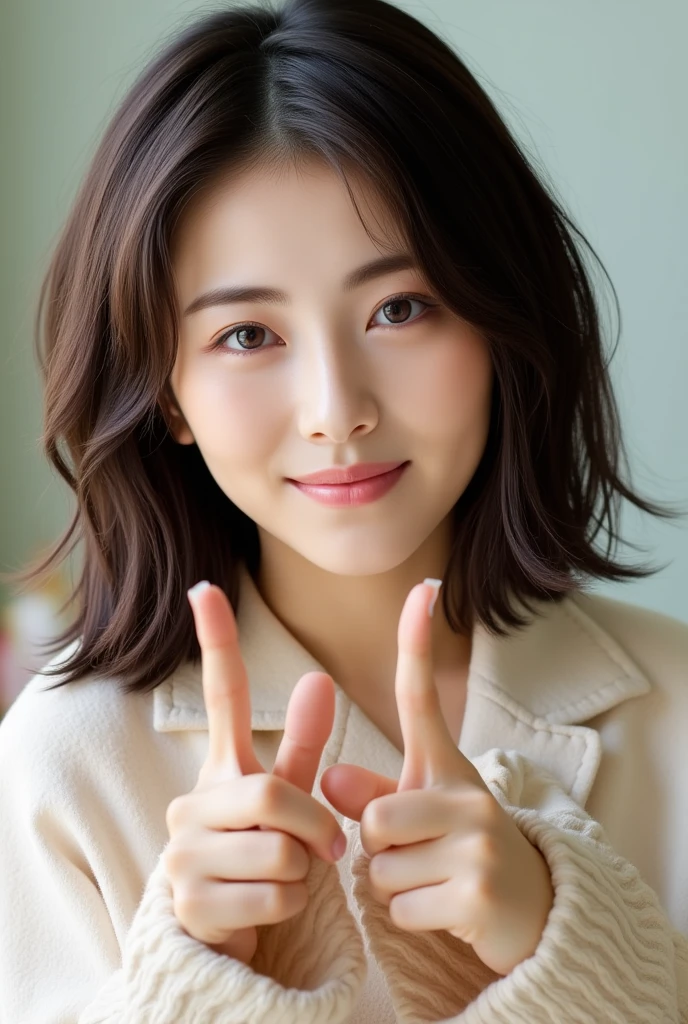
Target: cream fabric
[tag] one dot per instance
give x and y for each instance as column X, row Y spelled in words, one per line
column 578, row 725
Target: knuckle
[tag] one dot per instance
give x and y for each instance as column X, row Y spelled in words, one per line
column 275, row 899
column 301, row 862
column 484, row 849
column 488, row 805
column 176, row 813
column 286, row 855
column 478, row 893
column 269, row 793
column 375, row 819
column 377, row 871
column 382, row 896
column 484, row 806
column 188, row 906
column 178, row 858
column 399, row 914
column 282, row 852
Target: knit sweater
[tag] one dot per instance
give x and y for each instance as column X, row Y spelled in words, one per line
column 88, row 773
column 607, row 952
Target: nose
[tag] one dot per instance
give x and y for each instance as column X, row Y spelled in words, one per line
column 334, row 393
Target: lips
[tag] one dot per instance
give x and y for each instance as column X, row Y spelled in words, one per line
column 352, row 494
column 348, row 474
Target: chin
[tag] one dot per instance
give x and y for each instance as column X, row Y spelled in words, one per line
column 363, row 558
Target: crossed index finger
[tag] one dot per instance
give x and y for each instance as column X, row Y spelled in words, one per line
column 225, row 683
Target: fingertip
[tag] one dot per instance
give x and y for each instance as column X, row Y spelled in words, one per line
column 414, row 630
column 310, row 711
column 193, row 592
column 339, row 847
column 435, row 584
column 319, row 686
column 329, row 784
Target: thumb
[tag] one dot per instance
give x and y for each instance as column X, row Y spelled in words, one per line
column 350, row 788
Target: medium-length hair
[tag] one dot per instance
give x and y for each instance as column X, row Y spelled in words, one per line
column 365, row 87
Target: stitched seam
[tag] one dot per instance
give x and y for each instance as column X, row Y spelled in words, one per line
column 522, row 714
column 579, row 705
column 583, row 622
column 583, row 735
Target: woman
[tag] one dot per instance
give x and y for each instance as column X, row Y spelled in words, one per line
column 308, row 245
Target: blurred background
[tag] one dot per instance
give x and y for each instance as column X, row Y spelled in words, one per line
column 595, row 91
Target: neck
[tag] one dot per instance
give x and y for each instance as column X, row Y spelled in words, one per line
column 349, row 623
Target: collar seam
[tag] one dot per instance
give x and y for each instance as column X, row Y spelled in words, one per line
column 492, row 691
column 603, row 640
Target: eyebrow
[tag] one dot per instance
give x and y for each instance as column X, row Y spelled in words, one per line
column 273, row 296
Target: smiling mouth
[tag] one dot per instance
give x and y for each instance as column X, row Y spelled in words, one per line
column 347, row 474
column 354, row 492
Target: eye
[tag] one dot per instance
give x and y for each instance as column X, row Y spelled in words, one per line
column 396, row 307
column 250, row 335
column 249, row 338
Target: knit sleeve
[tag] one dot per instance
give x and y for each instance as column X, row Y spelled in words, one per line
column 64, row 959
column 608, row 951
column 168, row 977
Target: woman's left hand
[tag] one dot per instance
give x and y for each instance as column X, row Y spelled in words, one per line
column 444, row 853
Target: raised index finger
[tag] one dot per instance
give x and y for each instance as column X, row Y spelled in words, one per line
column 225, row 684
column 429, row 751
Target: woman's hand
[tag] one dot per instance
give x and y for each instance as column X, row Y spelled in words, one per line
column 444, row 853
column 239, row 841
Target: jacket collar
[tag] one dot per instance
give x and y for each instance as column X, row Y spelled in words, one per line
column 527, row 692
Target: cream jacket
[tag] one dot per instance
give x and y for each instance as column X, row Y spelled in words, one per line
column 586, row 708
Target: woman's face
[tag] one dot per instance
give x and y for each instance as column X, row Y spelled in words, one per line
column 329, row 376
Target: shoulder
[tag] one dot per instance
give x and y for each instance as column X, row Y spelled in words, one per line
column 657, row 643
column 74, row 728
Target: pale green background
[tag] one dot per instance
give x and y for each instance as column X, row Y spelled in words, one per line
column 597, row 90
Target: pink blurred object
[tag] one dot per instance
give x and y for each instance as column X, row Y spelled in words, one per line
column 27, row 620
column 12, row 679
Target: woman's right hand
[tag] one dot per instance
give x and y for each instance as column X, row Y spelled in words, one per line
column 241, row 840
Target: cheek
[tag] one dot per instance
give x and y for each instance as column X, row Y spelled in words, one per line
column 237, row 418
column 447, row 396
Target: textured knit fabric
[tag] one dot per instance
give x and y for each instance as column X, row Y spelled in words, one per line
column 578, row 726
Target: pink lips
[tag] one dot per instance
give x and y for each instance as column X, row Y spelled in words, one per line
column 348, row 474
column 351, row 485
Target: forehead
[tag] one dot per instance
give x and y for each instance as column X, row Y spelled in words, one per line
column 285, row 205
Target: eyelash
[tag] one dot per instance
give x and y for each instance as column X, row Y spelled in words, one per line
column 247, row 352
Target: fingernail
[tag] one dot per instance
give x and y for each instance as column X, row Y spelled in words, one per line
column 436, row 584
column 197, row 588
column 339, row 846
